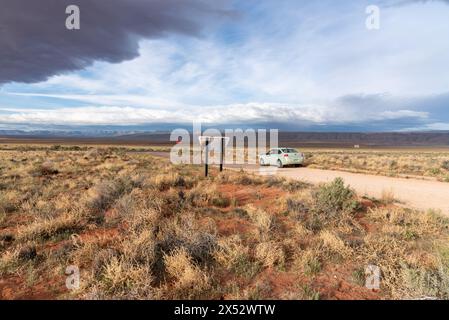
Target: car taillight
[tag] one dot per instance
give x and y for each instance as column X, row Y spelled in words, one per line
column 285, row 155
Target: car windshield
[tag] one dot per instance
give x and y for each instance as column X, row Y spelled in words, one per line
column 289, row 151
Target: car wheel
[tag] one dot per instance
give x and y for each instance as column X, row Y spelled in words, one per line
column 262, row 163
column 280, row 165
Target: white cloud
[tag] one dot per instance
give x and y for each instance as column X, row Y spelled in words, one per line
column 301, row 56
column 233, row 113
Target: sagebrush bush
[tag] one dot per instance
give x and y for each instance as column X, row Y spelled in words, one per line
column 334, row 198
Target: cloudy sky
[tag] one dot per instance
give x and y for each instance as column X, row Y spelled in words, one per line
column 293, row 64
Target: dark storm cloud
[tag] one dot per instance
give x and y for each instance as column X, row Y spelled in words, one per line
column 34, row 43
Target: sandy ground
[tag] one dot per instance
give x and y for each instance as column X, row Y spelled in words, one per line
column 414, row 193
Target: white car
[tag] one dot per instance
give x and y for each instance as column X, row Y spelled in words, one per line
column 281, row 157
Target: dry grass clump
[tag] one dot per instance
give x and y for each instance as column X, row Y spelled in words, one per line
column 308, row 261
column 189, row 281
column 119, row 278
column 201, row 195
column 105, row 193
column 9, row 201
column 334, row 244
column 44, row 229
column 286, row 184
column 270, row 254
column 245, row 179
column 166, row 181
column 46, row 168
column 387, row 197
column 262, row 220
column 234, row 256
column 9, row 262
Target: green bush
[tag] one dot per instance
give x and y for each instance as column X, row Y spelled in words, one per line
column 334, row 198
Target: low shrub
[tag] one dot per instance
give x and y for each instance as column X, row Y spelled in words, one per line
column 334, row 198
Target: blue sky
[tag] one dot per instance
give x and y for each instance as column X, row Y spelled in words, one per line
column 305, row 65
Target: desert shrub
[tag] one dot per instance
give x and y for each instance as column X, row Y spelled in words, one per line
column 334, row 244
column 308, row 293
column 314, row 222
column 101, row 259
column 422, row 280
column 9, row 202
column 262, row 219
column 424, row 283
column 201, row 195
column 141, row 249
column 221, row 202
column 274, row 181
column 189, row 281
column 445, row 165
column 45, row 169
column 245, row 179
column 295, row 185
column 9, row 262
column 308, row 262
column 434, row 171
column 298, row 207
column 143, row 218
column 270, row 254
column 7, row 237
column 94, row 153
column 106, row 193
column 233, row 255
column 359, row 276
column 200, row 246
column 301, row 231
column 166, row 181
column 334, row 198
column 387, row 197
column 45, row 229
column 122, row 279
column 27, row 252
column 125, row 206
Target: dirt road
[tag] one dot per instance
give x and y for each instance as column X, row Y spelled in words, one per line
column 414, row 193
column 419, row 194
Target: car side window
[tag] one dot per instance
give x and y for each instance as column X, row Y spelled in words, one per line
column 279, row 151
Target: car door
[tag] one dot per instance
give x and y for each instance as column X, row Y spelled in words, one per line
column 269, row 156
column 274, row 156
